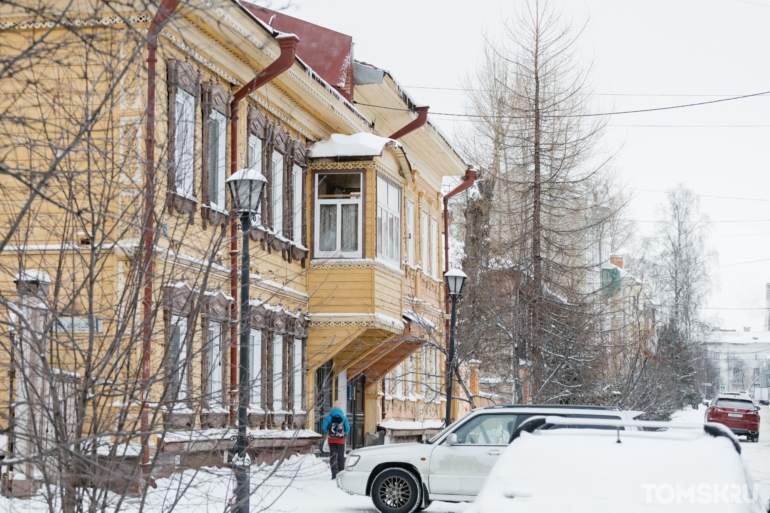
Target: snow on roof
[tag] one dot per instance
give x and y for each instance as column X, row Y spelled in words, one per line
column 32, row 275
column 411, row 425
column 357, row 145
column 738, row 337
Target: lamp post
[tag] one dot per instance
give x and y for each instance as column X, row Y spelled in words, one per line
column 246, row 188
column 455, row 279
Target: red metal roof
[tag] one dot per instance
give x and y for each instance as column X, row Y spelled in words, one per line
column 328, row 52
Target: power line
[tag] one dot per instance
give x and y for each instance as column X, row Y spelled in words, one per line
column 634, row 95
column 743, row 263
column 589, row 115
column 706, row 196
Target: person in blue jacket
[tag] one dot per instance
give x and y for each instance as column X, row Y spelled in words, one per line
column 336, row 427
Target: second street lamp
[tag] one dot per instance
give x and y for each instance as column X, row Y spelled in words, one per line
column 246, row 188
column 455, row 279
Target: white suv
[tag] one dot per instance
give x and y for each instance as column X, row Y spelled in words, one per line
column 453, row 465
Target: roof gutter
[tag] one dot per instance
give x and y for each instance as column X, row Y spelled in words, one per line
column 288, row 44
column 161, row 18
column 422, row 118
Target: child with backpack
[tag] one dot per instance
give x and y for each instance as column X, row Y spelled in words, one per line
column 336, row 427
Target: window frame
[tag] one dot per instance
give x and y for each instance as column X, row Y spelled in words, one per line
column 179, row 384
column 255, row 369
column 434, row 258
column 298, row 203
column 297, row 349
column 424, row 242
column 410, row 232
column 277, row 358
column 277, row 210
column 360, row 201
column 219, row 203
column 181, row 76
column 215, row 352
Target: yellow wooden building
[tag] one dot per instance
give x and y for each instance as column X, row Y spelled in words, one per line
column 347, row 262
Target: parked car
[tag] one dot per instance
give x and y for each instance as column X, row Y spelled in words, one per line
column 453, row 465
column 737, row 412
column 690, row 468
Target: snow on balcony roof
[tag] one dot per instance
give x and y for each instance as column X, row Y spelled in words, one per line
column 357, row 145
column 32, row 275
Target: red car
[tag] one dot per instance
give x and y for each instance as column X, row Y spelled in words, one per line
column 737, row 413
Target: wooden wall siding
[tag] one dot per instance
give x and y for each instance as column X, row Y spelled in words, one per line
column 388, row 294
column 341, row 290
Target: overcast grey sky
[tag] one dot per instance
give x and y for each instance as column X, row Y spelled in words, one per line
column 645, row 54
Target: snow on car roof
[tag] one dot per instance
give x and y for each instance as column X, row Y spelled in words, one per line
column 588, row 470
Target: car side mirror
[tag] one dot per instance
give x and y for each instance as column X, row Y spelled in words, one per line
column 451, row 439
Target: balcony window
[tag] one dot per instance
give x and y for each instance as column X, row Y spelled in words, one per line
column 217, row 160
column 388, row 221
column 338, row 224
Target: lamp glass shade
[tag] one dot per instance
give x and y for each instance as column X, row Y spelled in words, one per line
column 246, row 187
column 455, row 280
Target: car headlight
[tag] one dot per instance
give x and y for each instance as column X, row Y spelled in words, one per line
column 352, row 460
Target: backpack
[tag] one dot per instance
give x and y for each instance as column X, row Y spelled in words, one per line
column 336, row 427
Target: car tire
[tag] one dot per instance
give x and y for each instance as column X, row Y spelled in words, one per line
column 396, row 490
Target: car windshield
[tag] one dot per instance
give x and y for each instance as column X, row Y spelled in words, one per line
column 735, row 403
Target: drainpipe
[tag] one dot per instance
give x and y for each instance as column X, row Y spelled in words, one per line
column 288, row 44
column 162, row 16
column 468, row 180
column 420, row 120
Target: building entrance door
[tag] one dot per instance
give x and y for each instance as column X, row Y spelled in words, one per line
column 323, row 394
column 356, row 400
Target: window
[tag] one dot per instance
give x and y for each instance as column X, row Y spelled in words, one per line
column 756, row 372
column 399, row 378
column 255, row 369
column 277, row 373
column 435, row 371
column 424, row 242
column 215, row 362
column 297, row 202
column 737, row 404
column 487, row 430
column 255, row 162
column 337, row 212
column 217, row 160
column 434, row 247
column 715, row 356
column 178, row 357
column 297, row 392
column 410, row 232
column 276, row 186
column 185, row 140
column 388, row 221
column 424, row 370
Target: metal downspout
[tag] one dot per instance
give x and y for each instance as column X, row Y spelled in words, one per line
column 288, row 44
column 162, row 16
column 419, row 121
column 468, row 180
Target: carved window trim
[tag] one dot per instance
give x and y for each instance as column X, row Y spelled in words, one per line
column 259, row 320
column 181, row 75
column 178, row 301
column 215, row 99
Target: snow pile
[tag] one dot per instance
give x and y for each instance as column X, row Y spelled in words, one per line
column 357, row 145
column 589, row 471
column 204, row 490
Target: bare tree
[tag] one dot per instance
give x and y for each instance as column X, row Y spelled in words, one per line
column 545, row 216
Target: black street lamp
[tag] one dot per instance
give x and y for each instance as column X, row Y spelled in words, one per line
column 246, row 188
column 455, row 279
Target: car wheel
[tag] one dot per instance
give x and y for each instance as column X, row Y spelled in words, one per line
column 396, row 490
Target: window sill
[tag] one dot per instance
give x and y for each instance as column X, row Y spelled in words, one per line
column 214, row 216
column 390, row 264
column 182, row 204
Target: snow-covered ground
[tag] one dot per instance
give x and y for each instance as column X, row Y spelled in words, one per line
column 304, row 484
